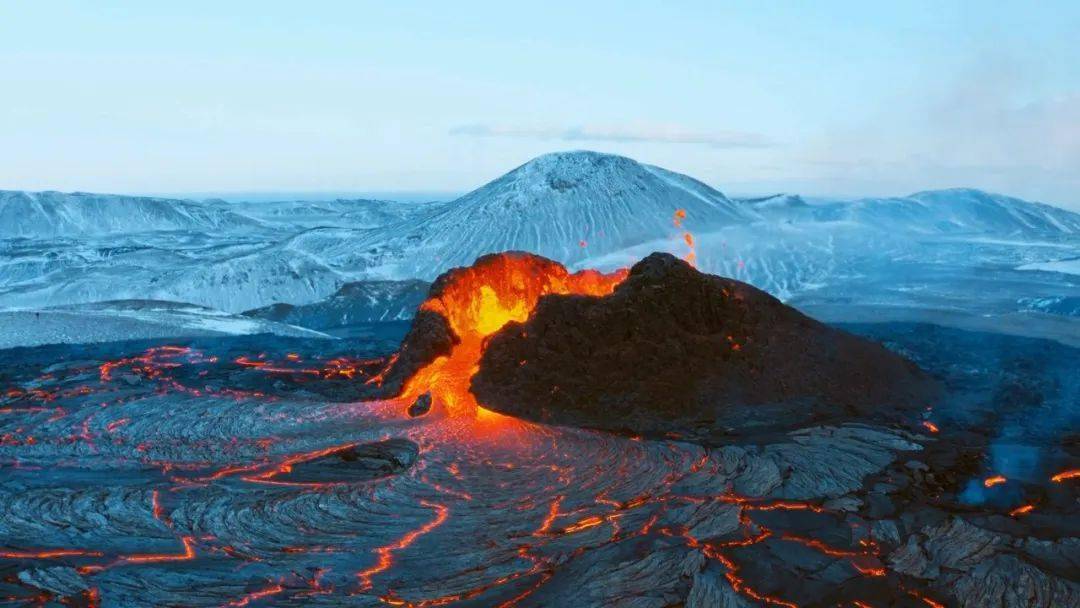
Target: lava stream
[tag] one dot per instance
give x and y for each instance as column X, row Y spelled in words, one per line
column 477, row 302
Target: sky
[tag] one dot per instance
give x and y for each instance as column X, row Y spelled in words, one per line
column 820, row 98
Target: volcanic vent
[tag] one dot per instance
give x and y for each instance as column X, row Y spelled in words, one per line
column 467, row 305
column 660, row 349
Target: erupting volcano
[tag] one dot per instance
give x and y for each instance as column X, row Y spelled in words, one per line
column 661, row 348
column 468, row 305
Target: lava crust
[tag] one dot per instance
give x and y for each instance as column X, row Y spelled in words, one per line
column 676, row 351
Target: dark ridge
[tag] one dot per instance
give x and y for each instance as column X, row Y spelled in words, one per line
column 677, row 352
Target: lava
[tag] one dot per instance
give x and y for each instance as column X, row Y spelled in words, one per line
column 386, row 553
column 994, row 480
column 688, row 238
column 1062, row 476
column 479, row 300
column 930, row 426
column 255, row 596
column 1022, row 510
column 286, row 467
column 49, row 554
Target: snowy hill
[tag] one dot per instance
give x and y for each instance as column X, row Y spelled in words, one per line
column 353, row 213
column 77, row 214
column 129, row 320
column 568, row 206
column 956, row 211
column 358, row 302
column 581, row 208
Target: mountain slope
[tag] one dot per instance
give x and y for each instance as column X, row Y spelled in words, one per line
column 353, row 213
column 354, row 303
column 962, row 211
column 131, row 319
column 566, row 206
column 78, row 214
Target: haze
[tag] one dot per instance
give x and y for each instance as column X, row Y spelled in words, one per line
column 831, row 99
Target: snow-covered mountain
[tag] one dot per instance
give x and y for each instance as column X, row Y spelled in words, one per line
column 78, row 214
column 354, row 303
column 961, row 211
column 132, row 319
column 352, row 213
column 581, row 208
column 956, row 211
column 568, row 206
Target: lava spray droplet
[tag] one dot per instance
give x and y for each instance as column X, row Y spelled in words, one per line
column 688, row 238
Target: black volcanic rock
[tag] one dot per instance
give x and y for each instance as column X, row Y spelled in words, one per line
column 676, row 351
column 354, row 464
column 420, row 406
column 429, row 337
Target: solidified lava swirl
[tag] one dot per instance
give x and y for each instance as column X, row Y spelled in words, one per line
column 189, row 493
column 478, row 301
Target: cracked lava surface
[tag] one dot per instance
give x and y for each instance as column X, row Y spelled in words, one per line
column 136, row 481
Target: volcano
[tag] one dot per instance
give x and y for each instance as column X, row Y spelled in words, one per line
column 660, row 349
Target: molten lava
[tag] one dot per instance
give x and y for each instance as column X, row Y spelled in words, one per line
column 688, row 238
column 1062, row 476
column 478, row 301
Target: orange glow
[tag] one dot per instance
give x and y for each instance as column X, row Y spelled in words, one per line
column 680, row 215
column 585, row 524
column 153, row 558
column 155, row 507
column 930, row 426
column 257, row 595
column 1023, row 510
column 1062, row 476
column 926, row 600
column 48, row 554
column 995, row 480
column 477, row 302
column 386, row 554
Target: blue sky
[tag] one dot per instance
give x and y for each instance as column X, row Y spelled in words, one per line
column 825, row 98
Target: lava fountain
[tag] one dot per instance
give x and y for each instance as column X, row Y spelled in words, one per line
column 476, row 302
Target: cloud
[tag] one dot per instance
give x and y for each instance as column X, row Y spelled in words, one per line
column 626, row 134
column 993, row 125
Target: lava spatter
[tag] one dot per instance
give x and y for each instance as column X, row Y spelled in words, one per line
column 479, row 300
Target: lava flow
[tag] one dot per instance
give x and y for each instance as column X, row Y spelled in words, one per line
column 478, row 301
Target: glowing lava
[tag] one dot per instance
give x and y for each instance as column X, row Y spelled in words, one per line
column 1023, row 510
column 990, row 482
column 479, row 300
column 680, row 215
column 1062, row 476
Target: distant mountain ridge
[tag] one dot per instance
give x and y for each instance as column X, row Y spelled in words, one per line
column 79, row 214
column 569, row 206
column 354, row 303
column 583, row 209
column 950, row 211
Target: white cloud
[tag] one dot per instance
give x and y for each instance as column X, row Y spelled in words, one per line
column 621, row 134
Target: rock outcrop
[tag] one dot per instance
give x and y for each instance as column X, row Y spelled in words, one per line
column 674, row 350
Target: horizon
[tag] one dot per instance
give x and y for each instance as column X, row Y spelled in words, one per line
column 838, row 100
column 425, row 196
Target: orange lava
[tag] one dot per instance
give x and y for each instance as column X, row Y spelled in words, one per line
column 267, row 477
column 154, row 558
column 479, row 300
column 1062, row 476
column 930, row 426
column 386, row 553
column 1023, row 510
column 680, row 215
column 49, row 554
column 255, row 596
column 995, row 480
